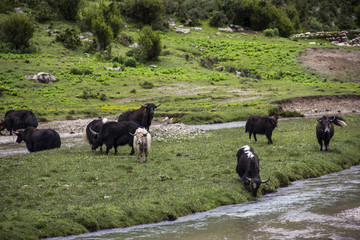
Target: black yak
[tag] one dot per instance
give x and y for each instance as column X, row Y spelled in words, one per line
column 39, row 139
column 142, row 116
column 95, row 126
column 261, row 125
column 325, row 129
column 114, row 134
column 248, row 169
column 18, row 119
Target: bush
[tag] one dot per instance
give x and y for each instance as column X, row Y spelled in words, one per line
column 69, row 38
column 144, row 11
column 208, row 62
column 149, row 44
column 126, row 40
column 102, row 32
column 68, row 8
column 147, row 85
column 18, row 29
column 130, row 62
column 44, row 12
column 218, row 19
column 79, row 71
column 271, row 32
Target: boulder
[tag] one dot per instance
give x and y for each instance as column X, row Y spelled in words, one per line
column 42, row 77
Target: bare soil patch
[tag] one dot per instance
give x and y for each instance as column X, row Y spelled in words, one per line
column 323, row 105
column 340, row 65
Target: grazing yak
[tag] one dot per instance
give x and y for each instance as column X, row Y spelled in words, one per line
column 95, row 126
column 325, row 129
column 248, row 169
column 142, row 116
column 18, row 119
column 142, row 143
column 114, row 134
column 261, row 125
column 39, row 139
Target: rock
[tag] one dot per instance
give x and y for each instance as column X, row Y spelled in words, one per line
column 183, row 30
column 134, row 45
column 220, row 68
column 198, row 29
column 153, row 66
column 18, row 10
column 118, row 69
column 228, row 29
column 42, row 77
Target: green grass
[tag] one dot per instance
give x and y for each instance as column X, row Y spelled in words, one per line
column 74, row 190
column 184, row 88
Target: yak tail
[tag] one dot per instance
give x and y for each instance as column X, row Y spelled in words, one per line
column 247, row 126
column 84, row 136
column 339, row 121
column 104, row 120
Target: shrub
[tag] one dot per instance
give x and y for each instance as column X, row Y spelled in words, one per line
column 145, row 11
column 208, row 62
column 130, row 62
column 18, row 29
column 149, row 43
column 79, row 71
column 102, row 32
column 271, row 32
column 218, row 19
column 147, row 85
column 69, row 38
column 44, row 12
column 68, row 8
column 126, row 40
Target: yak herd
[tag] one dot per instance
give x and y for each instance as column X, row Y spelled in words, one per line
column 133, row 126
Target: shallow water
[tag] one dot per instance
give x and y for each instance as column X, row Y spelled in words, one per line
column 10, row 147
column 308, row 209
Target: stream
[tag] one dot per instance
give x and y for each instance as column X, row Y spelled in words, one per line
column 315, row 208
column 308, row 209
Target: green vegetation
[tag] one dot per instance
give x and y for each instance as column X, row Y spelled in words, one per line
column 201, row 77
column 74, row 190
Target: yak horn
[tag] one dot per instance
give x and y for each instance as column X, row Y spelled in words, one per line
column 265, row 181
column 157, row 105
column 249, row 179
column 132, row 134
column 92, row 131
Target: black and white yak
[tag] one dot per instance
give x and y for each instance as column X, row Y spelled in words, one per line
column 248, row 169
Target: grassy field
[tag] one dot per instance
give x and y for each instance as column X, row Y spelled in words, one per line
column 73, row 190
column 188, row 91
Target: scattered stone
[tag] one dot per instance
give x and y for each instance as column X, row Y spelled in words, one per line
column 118, row 69
column 153, row 66
column 183, row 30
column 18, row 10
column 42, row 77
column 228, row 29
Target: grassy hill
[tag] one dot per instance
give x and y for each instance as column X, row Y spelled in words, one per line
column 185, row 80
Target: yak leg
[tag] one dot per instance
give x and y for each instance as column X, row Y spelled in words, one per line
column 255, row 137
column 321, row 145
column 146, row 155
column 268, row 135
column 250, row 136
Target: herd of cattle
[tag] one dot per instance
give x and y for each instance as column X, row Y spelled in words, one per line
column 132, row 128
